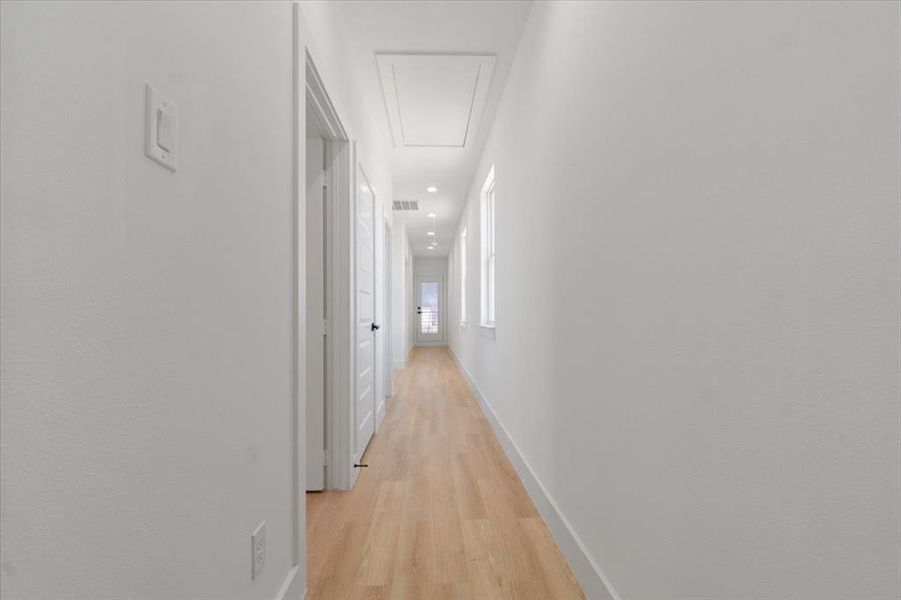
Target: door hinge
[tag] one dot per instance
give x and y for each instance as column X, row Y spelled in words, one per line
column 324, row 326
column 325, row 458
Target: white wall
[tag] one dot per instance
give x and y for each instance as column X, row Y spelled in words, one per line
column 400, row 308
column 430, row 266
column 146, row 315
column 697, row 258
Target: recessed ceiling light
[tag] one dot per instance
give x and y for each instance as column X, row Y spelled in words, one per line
column 431, row 215
column 430, row 248
column 431, row 233
column 431, row 189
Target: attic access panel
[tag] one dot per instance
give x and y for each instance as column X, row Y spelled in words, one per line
column 434, row 100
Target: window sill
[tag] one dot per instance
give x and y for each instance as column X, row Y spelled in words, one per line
column 487, row 331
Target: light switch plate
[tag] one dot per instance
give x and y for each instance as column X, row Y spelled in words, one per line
column 161, row 129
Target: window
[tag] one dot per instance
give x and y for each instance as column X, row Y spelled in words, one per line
column 463, row 277
column 488, row 268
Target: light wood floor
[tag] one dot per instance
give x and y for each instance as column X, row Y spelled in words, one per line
column 439, row 513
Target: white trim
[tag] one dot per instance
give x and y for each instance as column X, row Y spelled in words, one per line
column 387, row 310
column 594, row 582
column 462, row 246
column 400, row 364
column 298, row 333
column 289, row 590
column 487, row 252
column 323, row 109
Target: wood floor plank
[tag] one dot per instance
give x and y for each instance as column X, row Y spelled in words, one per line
column 390, row 498
column 439, row 514
column 416, row 554
column 554, row 570
column 489, row 575
column 378, row 558
column 466, row 487
column 450, row 552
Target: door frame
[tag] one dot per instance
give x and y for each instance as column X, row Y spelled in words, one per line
column 442, row 312
column 387, row 366
column 339, row 471
column 298, row 291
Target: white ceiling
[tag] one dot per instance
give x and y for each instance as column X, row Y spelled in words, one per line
column 434, row 99
column 447, row 63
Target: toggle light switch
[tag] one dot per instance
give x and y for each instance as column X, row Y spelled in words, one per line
column 161, row 135
column 164, row 131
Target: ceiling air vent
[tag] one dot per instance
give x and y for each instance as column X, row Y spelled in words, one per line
column 406, row 205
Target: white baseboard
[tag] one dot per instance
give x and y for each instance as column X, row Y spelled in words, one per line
column 400, row 364
column 441, row 343
column 586, row 570
column 292, row 587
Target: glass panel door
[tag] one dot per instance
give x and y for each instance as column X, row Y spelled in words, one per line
column 429, row 310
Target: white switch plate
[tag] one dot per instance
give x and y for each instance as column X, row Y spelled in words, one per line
column 258, row 543
column 159, row 110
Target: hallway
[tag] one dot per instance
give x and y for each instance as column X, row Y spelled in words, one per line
column 605, row 296
column 439, row 512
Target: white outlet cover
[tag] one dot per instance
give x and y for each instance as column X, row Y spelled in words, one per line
column 160, row 129
column 258, row 550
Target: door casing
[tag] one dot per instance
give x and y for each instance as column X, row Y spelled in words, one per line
column 339, row 471
column 387, row 360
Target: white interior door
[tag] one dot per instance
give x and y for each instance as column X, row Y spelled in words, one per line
column 429, row 309
column 364, row 241
column 315, row 205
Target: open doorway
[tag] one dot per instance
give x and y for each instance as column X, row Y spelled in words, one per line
column 317, row 305
column 325, row 308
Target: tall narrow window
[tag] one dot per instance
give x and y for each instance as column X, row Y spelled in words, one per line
column 487, row 317
column 463, row 276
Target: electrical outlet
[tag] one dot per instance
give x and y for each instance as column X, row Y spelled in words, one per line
column 258, row 544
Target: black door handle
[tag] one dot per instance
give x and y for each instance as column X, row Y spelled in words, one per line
column 374, row 326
